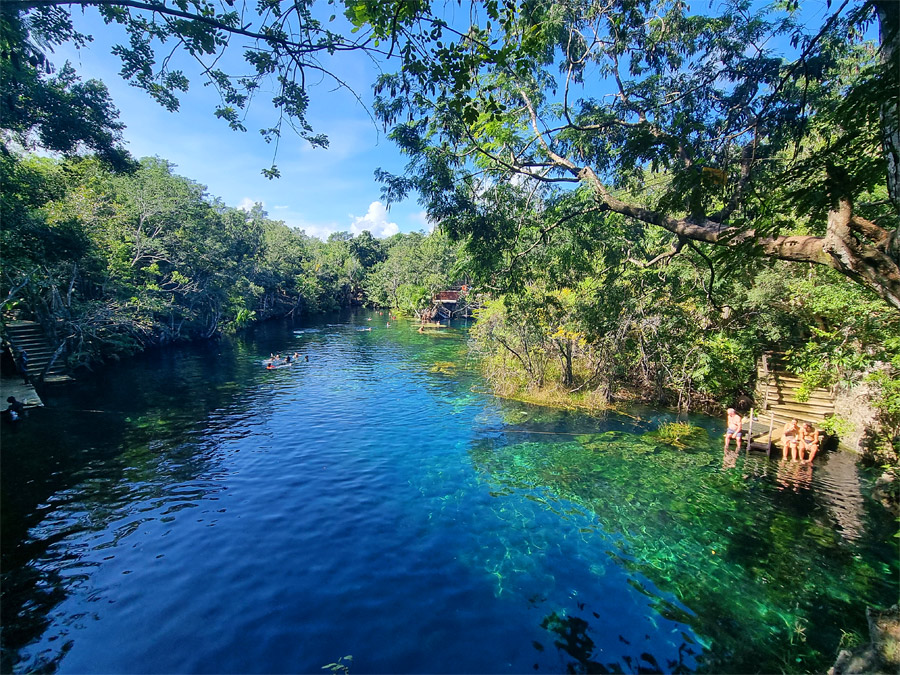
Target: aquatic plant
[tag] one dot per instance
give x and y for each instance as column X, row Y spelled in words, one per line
column 339, row 666
column 443, row 368
column 681, row 434
column 764, row 588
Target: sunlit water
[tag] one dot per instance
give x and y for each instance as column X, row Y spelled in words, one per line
column 189, row 511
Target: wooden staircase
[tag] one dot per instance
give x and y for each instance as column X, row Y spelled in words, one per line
column 28, row 336
column 776, row 400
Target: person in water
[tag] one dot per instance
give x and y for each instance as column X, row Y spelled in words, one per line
column 15, row 409
column 809, row 442
column 790, row 440
column 734, row 428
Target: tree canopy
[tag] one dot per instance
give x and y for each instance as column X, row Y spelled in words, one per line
column 749, row 128
column 281, row 41
column 746, row 129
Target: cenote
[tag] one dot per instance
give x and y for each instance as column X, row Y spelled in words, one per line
column 187, row 511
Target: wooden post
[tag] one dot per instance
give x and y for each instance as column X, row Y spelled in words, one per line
column 771, row 425
column 750, row 431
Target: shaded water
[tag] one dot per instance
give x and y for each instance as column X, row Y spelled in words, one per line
column 189, row 511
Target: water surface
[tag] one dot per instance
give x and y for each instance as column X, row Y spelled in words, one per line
column 189, row 511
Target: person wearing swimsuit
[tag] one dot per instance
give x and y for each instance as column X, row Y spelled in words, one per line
column 809, row 441
column 734, row 426
column 790, row 440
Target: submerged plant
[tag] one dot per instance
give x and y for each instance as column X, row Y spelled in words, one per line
column 339, row 666
column 722, row 547
column 443, row 368
column 681, row 434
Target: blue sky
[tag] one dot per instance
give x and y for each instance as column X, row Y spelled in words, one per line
column 320, row 190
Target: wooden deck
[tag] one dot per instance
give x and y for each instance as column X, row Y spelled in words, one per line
column 777, row 404
column 15, row 386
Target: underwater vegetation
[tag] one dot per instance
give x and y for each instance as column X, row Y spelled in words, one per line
column 681, row 435
column 761, row 573
column 443, row 368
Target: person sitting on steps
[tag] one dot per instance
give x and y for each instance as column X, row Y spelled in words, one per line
column 734, row 428
column 790, row 440
column 809, row 442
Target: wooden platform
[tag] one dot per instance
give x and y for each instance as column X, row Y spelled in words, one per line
column 777, row 403
column 14, row 386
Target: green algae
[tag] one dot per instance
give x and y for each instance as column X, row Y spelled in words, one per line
column 765, row 581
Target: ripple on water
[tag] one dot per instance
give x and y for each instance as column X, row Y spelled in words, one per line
column 362, row 504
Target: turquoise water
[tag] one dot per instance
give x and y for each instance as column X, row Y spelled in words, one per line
column 189, row 511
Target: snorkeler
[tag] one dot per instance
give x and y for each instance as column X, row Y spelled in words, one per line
column 15, row 410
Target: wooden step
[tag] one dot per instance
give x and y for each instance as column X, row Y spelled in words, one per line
column 781, row 383
column 789, row 412
column 792, row 391
column 817, row 395
column 35, row 352
column 781, row 420
column 801, row 406
column 57, row 379
column 29, row 336
column 788, row 415
column 797, row 411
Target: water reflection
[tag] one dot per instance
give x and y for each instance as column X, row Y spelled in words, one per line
column 123, row 446
column 793, row 476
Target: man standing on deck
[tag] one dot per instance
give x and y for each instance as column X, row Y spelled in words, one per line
column 734, row 428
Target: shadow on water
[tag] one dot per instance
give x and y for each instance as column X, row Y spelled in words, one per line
column 765, row 570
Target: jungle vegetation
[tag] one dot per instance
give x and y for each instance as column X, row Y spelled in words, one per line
column 646, row 197
column 114, row 262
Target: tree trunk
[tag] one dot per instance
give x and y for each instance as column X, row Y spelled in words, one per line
column 889, row 23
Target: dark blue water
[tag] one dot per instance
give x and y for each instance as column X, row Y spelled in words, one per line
column 189, row 511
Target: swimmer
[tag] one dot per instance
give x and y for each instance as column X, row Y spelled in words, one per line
column 15, row 410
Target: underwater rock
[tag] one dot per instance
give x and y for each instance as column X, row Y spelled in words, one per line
column 882, row 655
column 887, row 492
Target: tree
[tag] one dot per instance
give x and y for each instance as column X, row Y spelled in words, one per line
column 56, row 112
column 695, row 123
column 282, row 45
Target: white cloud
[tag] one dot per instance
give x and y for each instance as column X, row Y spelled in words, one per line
column 421, row 218
column 375, row 221
column 247, row 204
column 318, row 230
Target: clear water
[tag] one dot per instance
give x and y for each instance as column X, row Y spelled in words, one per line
column 189, row 511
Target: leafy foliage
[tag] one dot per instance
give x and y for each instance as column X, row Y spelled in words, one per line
column 693, row 122
column 117, row 262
